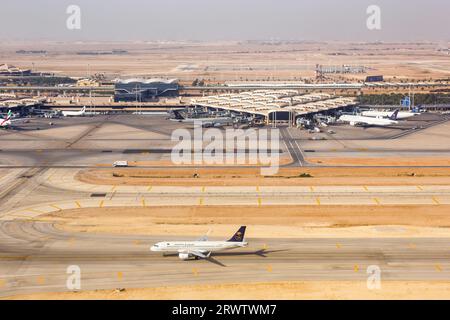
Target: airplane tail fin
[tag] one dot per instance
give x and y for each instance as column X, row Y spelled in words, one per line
column 239, row 235
column 8, row 117
column 84, row 109
column 416, row 109
column 178, row 115
column 394, row 115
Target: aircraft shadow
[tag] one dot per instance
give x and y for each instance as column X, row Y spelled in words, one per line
column 261, row 253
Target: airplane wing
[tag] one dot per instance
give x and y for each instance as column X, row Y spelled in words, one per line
column 17, row 120
column 205, row 237
column 198, row 253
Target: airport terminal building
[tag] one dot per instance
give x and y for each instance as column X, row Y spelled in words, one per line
column 144, row 90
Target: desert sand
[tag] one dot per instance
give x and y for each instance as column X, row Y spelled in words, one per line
column 288, row 222
column 328, row 290
column 252, row 177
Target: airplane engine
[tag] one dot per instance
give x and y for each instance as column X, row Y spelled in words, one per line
column 184, row 256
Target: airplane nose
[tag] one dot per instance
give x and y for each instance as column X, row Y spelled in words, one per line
column 152, row 248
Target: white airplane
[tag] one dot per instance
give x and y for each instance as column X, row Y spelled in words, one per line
column 201, row 248
column 205, row 122
column 386, row 114
column 8, row 121
column 74, row 113
column 355, row 120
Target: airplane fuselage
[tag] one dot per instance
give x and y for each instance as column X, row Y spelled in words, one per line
column 362, row 120
column 204, row 246
column 385, row 114
column 4, row 123
column 203, row 121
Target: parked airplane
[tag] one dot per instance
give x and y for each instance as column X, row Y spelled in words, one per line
column 7, row 122
column 355, row 120
column 202, row 248
column 387, row 114
column 205, row 122
column 74, row 113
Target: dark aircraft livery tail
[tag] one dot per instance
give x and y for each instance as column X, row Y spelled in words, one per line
column 178, row 115
column 239, row 235
column 394, row 115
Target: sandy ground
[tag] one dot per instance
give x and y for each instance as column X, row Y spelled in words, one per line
column 252, row 177
column 391, row 161
column 288, row 222
column 218, row 62
column 329, row 290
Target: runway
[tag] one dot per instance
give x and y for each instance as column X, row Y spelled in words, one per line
column 40, row 180
column 35, row 257
column 53, row 190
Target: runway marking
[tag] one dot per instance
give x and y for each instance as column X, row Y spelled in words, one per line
column 435, row 200
column 113, row 188
column 365, row 188
column 259, row 201
column 50, row 177
column 149, row 188
column 318, row 201
column 18, row 215
column 438, row 268
column 40, row 280
column 195, row 272
column 420, row 188
column 311, row 189
column 269, row 268
column 36, row 211
column 56, row 207
column 200, row 201
column 119, row 275
column 102, row 202
column 338, row 245
column 203, row 189
column 143, row 203
column 377, row 201
column 257, row 188
column 265, row 246
column 78, row 204
column 12, row 258
column 356, row 268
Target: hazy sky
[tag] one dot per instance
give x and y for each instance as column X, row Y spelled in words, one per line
column 401, row 20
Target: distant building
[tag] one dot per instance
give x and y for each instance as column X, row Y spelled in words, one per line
column 374, row 79
column 88, row 83
column 144, row 89
column 8, row 70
